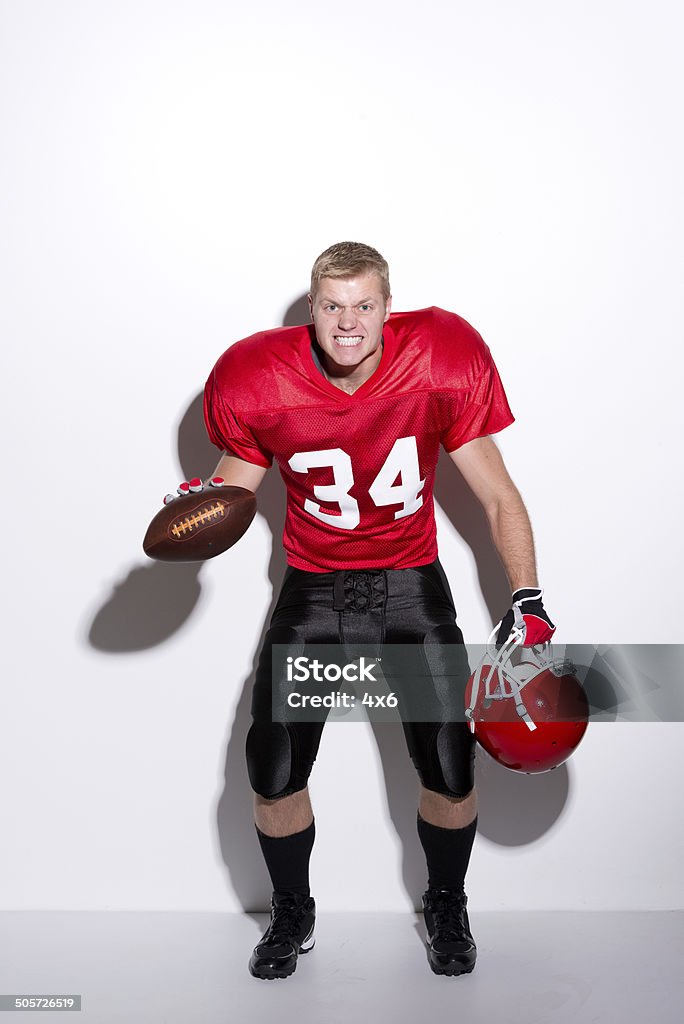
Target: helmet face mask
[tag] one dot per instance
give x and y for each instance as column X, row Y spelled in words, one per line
column 526, row 708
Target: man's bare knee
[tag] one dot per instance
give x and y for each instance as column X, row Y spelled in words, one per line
column 285, row 815
column 446, row 809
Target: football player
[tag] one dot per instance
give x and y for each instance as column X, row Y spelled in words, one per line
column 353, row 408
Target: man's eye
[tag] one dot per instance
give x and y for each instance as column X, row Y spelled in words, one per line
column 364, row 306
column 331, row 306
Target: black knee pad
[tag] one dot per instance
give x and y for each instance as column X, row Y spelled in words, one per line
column 444, row 756
column 269, row 759
column 275, row 764
column 455, row 747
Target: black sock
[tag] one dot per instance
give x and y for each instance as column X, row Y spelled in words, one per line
column 447, row 851
column 287, row 859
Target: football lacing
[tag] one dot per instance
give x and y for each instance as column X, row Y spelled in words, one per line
column 202, row 517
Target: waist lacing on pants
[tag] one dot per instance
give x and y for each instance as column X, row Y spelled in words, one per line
column 359, row 590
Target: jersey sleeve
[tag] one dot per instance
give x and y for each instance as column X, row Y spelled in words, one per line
column 483, row 409
column 227, row 429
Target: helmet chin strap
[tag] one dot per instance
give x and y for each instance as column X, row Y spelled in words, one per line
column 496, row 661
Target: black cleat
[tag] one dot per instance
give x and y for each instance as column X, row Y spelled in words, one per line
column 290, row 933
column 451, row 948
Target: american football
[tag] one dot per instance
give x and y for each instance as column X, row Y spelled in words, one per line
column 198, row 526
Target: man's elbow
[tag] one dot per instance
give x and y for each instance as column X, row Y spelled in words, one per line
column 505, row 502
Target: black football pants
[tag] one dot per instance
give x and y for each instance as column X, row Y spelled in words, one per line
column 412, row 607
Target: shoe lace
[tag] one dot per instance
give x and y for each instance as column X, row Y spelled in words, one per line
column 448, row 906
column 286, row 920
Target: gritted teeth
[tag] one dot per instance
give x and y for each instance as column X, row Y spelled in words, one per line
column 348, row 340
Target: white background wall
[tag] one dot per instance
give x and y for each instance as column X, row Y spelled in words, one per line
column 169, row 172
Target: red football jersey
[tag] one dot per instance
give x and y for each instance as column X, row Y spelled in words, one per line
column 359, row 469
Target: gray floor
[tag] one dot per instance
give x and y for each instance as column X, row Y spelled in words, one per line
column 535, row 967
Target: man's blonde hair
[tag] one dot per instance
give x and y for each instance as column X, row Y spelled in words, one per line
column 350, row 259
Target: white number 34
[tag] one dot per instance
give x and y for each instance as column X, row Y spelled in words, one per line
column 400, row 465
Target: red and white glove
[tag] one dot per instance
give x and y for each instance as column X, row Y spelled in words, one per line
column 193, row 486
column 529, row 615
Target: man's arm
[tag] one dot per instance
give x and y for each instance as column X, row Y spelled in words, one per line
column 483, row 469
column 238, row 473
column 232, row 471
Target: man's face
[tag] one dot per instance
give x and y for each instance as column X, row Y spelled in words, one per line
column 348, row 314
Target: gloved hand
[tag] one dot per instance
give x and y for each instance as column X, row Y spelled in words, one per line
column 193, row 486
column 527, row 613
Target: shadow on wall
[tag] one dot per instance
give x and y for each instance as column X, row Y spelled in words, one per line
column 156, row 599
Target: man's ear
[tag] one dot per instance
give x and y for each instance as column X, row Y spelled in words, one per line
column 388, row 308
column 310, row 298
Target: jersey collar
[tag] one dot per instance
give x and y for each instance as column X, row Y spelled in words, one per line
column 313, row 364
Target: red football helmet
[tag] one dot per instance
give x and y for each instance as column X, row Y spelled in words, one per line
column 526, row 709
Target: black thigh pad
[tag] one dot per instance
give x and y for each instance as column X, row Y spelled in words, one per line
column 280, row 754
column 443, row 752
